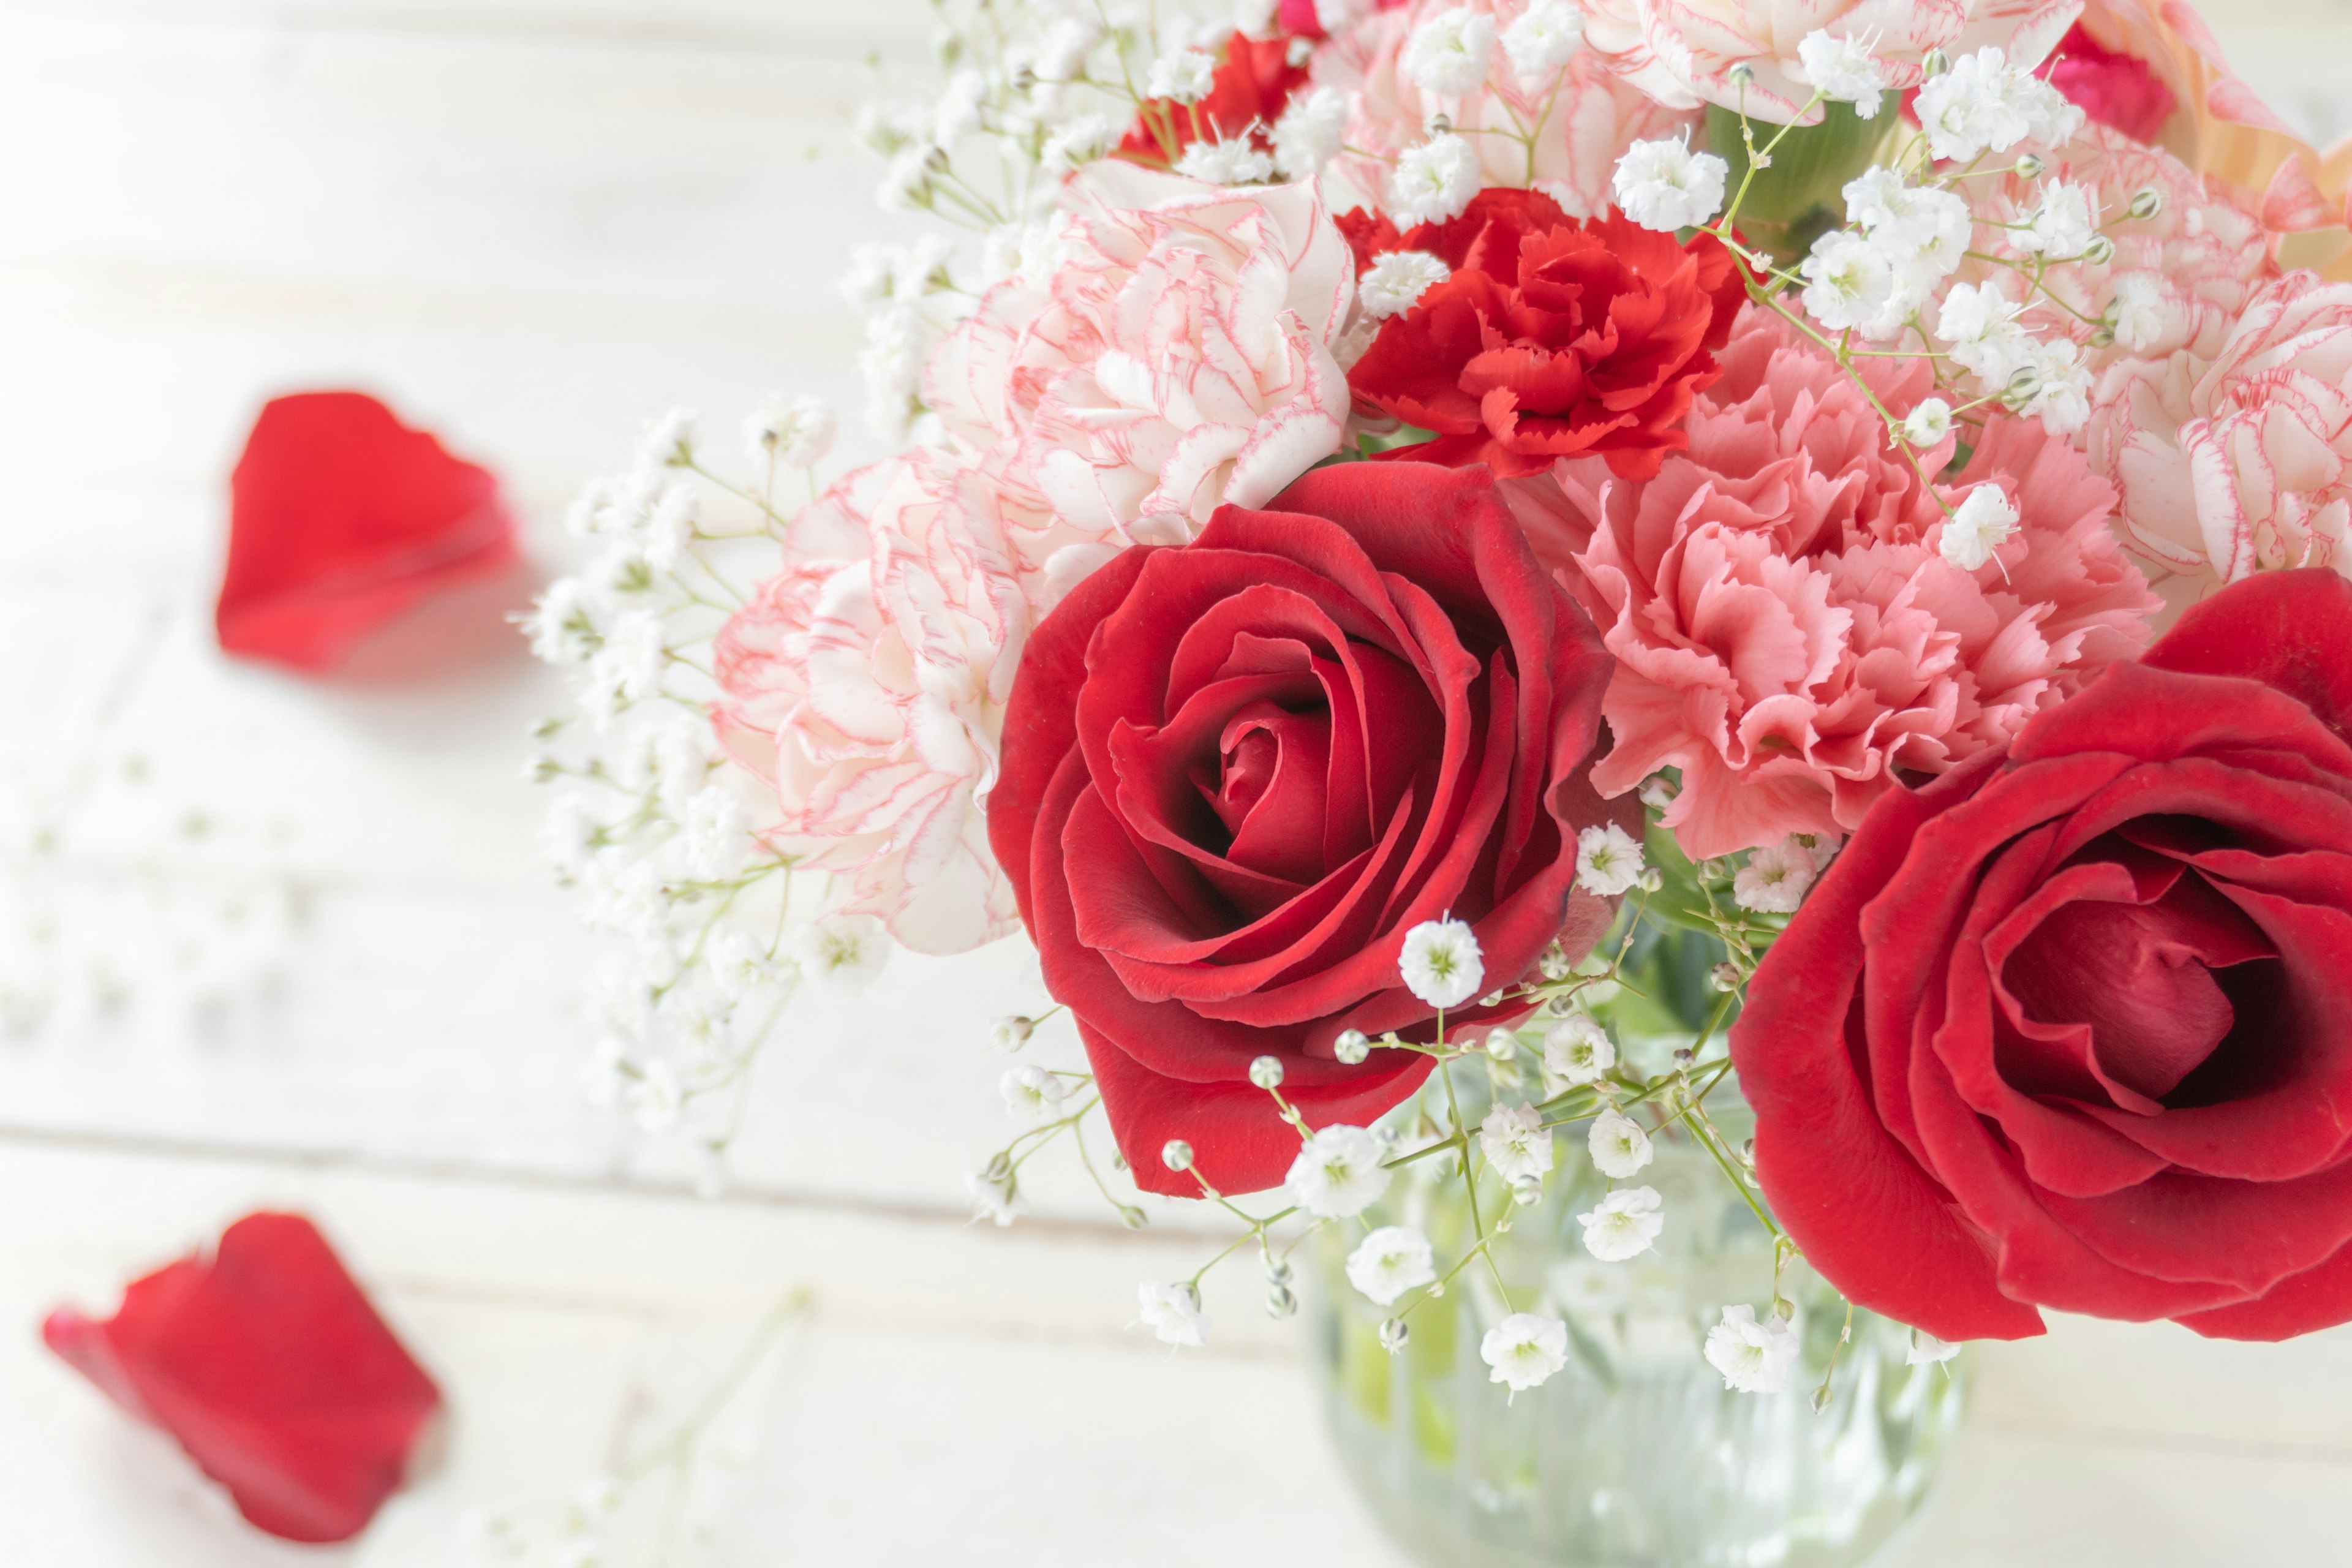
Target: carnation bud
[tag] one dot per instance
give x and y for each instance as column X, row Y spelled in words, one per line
column 1176, row 1155
column 2100, row 251
column 2146, row 203
column 1351, row 1047
column 1934, row 62
column 2030, row 167
column 1502, row 1043
column 1393, row 1335
column 1267, row 1072
column 1280, row 1303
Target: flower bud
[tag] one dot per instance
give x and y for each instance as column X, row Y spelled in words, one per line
column 1652, row 879
column 2146, row 203
column 1724, row 978
column 1527, row 1191
column 1502, row 1043
column 1352, row 1047
column 1011, row 1032
column 1437, row 125
column 1132, row 1216
column 1742, row 74
column 999, row 1167
column 1277, row 1271
column 1393, row 1335
column 2100, row 251
column 2030, row 167
column 1176, row 1155
column 1492, row 999
column 1267, row 1072
column 1554, row 964
column 1934, row 62
column 1280, row 1303
column 2103, row 336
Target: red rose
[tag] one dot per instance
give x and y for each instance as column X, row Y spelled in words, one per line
column 1248, row 94
column 1235, row 774
column 1553, row 339
column 2067, row 1027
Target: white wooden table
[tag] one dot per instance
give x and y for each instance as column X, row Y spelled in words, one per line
column 533, row 225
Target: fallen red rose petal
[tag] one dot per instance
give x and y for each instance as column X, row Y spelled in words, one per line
column 341, row 516
column 271, row 1369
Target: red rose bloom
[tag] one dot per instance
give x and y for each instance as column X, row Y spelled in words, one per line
column 1246, row 95
column 2066, row 1027
column 1551, row 339
column 1236, row 773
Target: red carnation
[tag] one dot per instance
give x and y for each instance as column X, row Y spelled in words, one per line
column 1551, row 339
column 271, row 1369
column 1246, row 97
column 2115, row 89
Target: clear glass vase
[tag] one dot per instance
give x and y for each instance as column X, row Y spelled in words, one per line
column 1635, row 1455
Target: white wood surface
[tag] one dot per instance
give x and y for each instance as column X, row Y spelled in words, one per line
column 533, row 224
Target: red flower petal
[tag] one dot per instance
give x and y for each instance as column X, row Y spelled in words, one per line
column 340, row 518
column 273, row 1372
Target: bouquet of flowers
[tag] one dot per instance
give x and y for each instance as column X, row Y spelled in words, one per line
column 1563, row 560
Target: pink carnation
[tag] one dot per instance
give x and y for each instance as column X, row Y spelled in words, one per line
column 1585, row 117
column 1176, row 361
column 2235, row 459
column 1682, row 52
column 866, row 684
column 1788, row 634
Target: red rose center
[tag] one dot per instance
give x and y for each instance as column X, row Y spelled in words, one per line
column 2123, row 999
column 1270, row 789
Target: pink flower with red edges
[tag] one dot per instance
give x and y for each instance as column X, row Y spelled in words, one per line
column 2239, row 461
column 1788, row 633
column 866, row 686
column 2064, row 1029
column 1683, row 53
column 1584, row 117
column 1237, row 774
column 1176, row 359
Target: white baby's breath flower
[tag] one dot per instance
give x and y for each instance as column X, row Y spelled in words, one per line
column 1441, row 963
column 2062, row 385
column 1850, row 284
column 1977, row 528
column 669, row 526
column 1542, row 41
column 1843, row 69
column 906, row 183
column 1079, row 142
column 1927, row 1350
column 1011, row 1032
column 992, row 1198
column 841, row 953
column 1625, row 1223
column 1336, row 16
column 1984, row 104
column 1339, row 1173
column 1433, row 182
column 717, row 834
column 1577, row 1049
column 1031, row 1093
column 1665, row 186
column 1754, row 1357
column 1774, row 880
column 669, row 441
column 1929, row 421
column 1396, row 279
column 1062, row 48
column 957, row 113
column 2139, row 310
column 1257, row 18
column 1618, row 1145
column 1448, row 53
column 570, row 836
column 739, row 965
column 1225, row 163
column 1608, row 860
column 2064, row 221
column 1389, row 1262
column 1173, row 1314
column 656, row 1099
column 1309, row 132
column 560, row 626
column 790, row 432
column 1523, row 1350
column 1516, row 1142
column 1182, row 76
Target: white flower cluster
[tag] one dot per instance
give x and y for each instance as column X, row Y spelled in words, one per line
column 659, row 839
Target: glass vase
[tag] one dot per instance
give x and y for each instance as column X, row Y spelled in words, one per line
column 1635, row 1455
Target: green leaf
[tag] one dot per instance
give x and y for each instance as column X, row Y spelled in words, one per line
column 1800, row 194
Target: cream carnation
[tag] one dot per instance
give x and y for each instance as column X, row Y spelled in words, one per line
column 1685, row 54
column 1788, row 629
column 2241, row 461
column 1580, row 133
column 1175, row 361
column 865, row 685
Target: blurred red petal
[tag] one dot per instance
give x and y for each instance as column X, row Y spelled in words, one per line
column 271, row 1369
column 340, row 518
